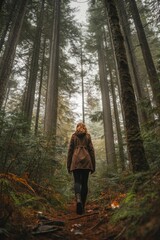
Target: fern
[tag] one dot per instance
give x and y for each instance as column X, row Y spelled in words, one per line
column 130, row 197
column 129, row 209
column 16, row 181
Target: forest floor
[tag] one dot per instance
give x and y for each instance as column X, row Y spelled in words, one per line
column 120, row 212
column 66, row 224
column 87, row 226
column 49, row 223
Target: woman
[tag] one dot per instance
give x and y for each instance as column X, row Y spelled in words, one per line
column 81, row 161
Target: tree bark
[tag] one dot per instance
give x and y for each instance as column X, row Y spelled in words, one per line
column 121, row 142
column 134, row 140
column 107, row 118
column 151, row 70
column 82, row 79
column 117, row 121
column 40, row 87
column 29, row 101
column 8, row 22
column 134, row 69
column 1, row 4
column 9, row 53
column 114, row 97
column 52, row 88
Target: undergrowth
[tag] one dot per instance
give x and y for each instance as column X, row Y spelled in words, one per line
column 20, row 199
column 140, row 206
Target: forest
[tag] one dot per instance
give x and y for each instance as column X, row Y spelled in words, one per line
column 56, row 71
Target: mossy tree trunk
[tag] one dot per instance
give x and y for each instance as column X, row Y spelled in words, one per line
column 138, row 83
column 150, row 67
column 134, row 140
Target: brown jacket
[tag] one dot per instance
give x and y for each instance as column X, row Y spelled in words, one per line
column 73, row 160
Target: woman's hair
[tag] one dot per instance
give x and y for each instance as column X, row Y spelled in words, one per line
column 81, row 128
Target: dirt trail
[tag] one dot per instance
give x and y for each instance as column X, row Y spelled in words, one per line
column 44, row 222
column 93, row 225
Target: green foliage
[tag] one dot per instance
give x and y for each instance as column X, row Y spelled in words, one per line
column 64, row 181
column 9, row 188
column 33, row 158
column 97, row 116
column 129, row 209
column 11, row 194
column 152, row 144
column 24, row 199
column 24, row 153
column 139, row 206
column 102, row 179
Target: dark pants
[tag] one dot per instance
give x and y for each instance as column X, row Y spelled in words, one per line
column 81, row 183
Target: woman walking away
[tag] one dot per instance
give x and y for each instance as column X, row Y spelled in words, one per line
column 81, row 161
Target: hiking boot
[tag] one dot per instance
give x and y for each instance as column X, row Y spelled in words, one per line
column 79, row 208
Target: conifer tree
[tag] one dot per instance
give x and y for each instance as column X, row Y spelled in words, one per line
column 150, row 67
column 31, row 86
column 52, row 85
column 134, row 139
column 10, row 48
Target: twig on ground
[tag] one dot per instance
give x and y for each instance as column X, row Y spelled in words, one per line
column 47, row 231
column 120, row 234
column 82, row 216
column 99, row 223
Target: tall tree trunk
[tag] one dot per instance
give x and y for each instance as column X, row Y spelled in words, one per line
column 1, row 4
column 82, row 81
column 107, row 118
column 8, row 22
column 115, row 62
column 134, row 140
column 9, row 53
column 134, row 69
column 24, row 96
column 117, row 121
column 29, row 101
column 151, row 70
column 40, row 88
column 116, row 113
column 52, row 88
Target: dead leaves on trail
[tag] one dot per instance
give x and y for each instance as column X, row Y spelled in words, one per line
column 94, row 224
column 116, row 202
